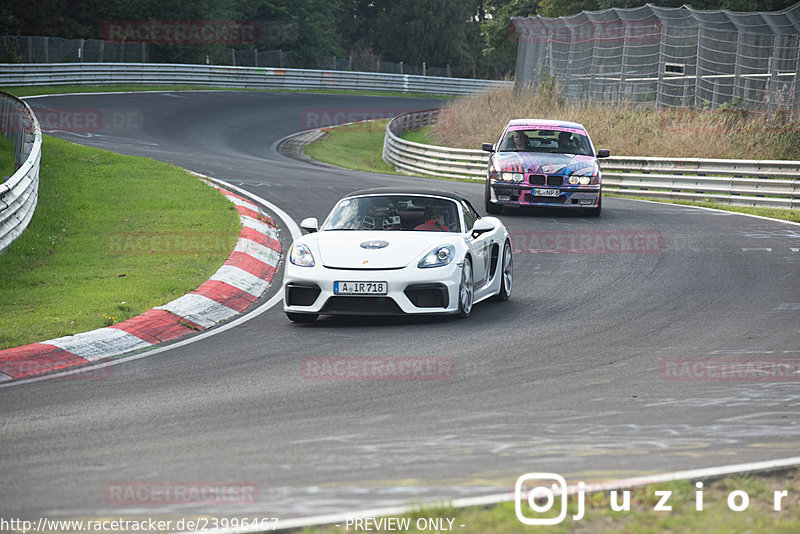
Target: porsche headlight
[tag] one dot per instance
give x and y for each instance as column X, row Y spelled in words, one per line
column 301, row 256
column 438, row 257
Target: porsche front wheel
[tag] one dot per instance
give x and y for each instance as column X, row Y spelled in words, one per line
column 466, row 290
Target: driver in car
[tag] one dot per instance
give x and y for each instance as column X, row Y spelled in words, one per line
column 434, row 222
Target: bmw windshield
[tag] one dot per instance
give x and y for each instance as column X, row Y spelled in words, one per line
column 567, row 141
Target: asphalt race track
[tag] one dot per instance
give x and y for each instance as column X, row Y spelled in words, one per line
column 570, row 376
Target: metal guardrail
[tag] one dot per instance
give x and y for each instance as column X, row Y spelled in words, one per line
column 19, row 193
column 765, row 183
column 30, row 74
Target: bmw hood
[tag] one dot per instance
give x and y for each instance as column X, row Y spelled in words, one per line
column 383, row 249
column 544, row 163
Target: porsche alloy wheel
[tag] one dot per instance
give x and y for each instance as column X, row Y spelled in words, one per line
column 507, row 274
column 466, row 290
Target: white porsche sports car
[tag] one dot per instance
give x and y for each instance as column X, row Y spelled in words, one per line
column 397, row 251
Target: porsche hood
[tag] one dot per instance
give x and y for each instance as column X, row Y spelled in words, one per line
column 359, row 249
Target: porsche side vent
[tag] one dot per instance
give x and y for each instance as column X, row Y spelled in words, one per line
column 428, row 295
column 301, row 294
column 493, row 263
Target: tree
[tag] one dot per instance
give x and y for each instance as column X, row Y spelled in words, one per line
column 499, row 39
column 438, row 32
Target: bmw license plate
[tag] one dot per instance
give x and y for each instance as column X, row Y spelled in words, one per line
column 359, row 288
column 546, row 192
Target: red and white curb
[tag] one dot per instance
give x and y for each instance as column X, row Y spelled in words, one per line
column 234, row 288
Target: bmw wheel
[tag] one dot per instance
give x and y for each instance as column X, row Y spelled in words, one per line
column 595, row 212
column 491, row 207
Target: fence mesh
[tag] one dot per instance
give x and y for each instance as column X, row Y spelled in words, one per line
column 666, row 57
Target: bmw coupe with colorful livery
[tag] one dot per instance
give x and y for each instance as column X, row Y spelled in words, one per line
column 544, row 163
column 392, row 251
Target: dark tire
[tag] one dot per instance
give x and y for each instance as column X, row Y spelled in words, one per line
column 491, row 208
column 506, row 274
column 594, row 212
column 466, row 290
column 302, row 317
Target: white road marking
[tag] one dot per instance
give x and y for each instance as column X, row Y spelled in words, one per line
column 99, row 344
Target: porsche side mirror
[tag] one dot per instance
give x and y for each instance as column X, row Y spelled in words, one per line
column 603, row 153
column 481, row 227
column 488, row 147
column 310, row 225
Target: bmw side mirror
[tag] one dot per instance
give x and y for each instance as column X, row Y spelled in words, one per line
column 310, row 225
column 603, row 153
column 488, row 147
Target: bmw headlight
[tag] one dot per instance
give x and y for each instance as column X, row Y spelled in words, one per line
column 438, row 257
column 301, row 256
column 512, row 176
column 583, row 180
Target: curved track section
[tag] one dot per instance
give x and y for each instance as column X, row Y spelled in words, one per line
column 569, row 376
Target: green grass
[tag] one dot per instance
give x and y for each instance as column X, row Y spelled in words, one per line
column 112, row 237
column 7, row 159
column 360, row 146
column 354, row 146
column 22, row 91
column 714, row 518
column 423, row 135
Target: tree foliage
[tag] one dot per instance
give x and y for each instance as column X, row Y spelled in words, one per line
column 459, row 33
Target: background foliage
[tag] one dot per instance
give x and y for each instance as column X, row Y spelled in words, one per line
column 468, row 35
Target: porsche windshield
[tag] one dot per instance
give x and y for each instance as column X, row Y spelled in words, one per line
column 535, row 140
column 395, row 212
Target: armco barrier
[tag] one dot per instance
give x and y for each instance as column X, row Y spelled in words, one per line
column 19, row 193
column 764, row 183
column 30, row 74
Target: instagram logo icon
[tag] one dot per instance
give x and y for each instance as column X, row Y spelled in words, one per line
column 538, row 491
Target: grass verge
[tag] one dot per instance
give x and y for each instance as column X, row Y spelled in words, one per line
column 112, row 237
column 7, row 159
column 359, row 147
column 716, row 516
column 353, row 146
column 58, row 89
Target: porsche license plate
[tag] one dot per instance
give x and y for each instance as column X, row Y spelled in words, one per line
column 546, row 192
column 360, row 288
